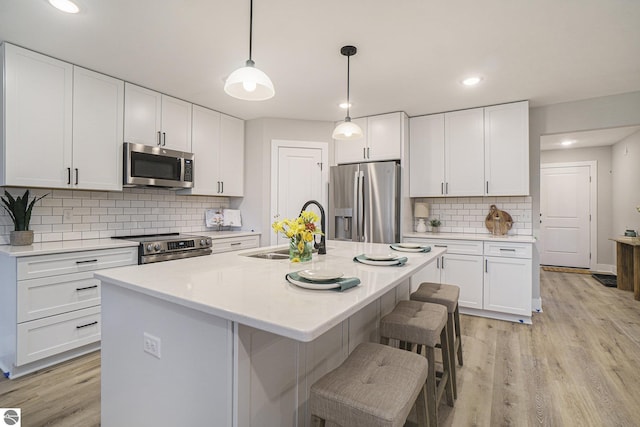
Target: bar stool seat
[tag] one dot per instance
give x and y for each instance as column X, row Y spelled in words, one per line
column 446, row 295
column 376, row 386
column 423, row 324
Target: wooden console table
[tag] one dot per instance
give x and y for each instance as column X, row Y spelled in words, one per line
column 628, row 264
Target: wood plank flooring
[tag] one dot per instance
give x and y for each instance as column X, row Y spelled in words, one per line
column 577, row 365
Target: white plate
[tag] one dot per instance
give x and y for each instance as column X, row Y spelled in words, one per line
column 372, row 262
column 381, row 257
column 403, row 249
column 409, row 245
column 320, row 275
column 313, row 285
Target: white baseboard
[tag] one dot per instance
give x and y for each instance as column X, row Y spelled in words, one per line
column 605, row 268
column 536, row 304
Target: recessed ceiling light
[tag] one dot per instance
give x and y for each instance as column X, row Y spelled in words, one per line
column 567, row 142
column 65, row 5
column 471, row 81
column 344, row 105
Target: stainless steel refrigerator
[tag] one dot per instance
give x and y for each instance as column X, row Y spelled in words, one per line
column 364, row 202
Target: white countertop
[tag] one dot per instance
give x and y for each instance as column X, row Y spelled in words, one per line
column 470, row 236
column 254, row 291
column 47, row 248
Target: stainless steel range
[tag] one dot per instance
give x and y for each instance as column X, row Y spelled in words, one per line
column 169, row 246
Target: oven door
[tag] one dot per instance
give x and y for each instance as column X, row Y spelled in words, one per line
column 144, row 165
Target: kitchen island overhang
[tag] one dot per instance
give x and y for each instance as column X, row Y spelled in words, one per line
column 238, row 342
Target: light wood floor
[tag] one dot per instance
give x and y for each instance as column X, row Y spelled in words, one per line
column 577, row 365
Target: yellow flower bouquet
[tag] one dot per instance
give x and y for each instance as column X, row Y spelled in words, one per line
column 300, row 232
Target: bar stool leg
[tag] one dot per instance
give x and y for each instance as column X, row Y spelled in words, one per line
column 421, row 410
column 447, row 350
column 458, row 335
column 432, row 390
column 452, row 354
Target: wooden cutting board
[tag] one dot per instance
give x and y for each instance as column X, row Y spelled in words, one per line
column 506, row 222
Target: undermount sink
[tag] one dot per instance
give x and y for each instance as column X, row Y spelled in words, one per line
column 271, row 254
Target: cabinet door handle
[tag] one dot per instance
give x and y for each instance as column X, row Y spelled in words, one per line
column 86, row 261
column 364, row 153
column 442, row 263
column 507, row 250
column 236, row 244
column 88, row 324
column 159, row 138
column 76, row 176
column 222, row 186
column 486, row 266
column 164, row 139
column 68, row 175
column 86, row 287
column 487, row 187
column 442, row 188
column 446, row 187
column 368, row 153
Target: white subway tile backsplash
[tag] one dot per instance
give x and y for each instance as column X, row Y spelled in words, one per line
column 98, row 214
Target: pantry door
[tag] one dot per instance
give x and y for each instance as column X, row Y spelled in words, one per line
column 566, row 214
column 299, row 173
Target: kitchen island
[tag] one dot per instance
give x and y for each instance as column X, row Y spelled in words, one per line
column 235, row 344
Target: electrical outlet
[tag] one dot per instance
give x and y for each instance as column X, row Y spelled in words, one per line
column 67, row 215
column 152, row 345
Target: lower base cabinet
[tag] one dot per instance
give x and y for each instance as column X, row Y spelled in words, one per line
column 495, row 278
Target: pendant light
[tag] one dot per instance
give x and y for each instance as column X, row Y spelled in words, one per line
column 347, row 130
column 248, row 82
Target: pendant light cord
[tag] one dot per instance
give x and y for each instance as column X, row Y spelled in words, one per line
column 348, row 102
column 250, row 28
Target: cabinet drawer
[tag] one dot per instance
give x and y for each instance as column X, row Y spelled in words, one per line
column 512, row 250
column 48, row 296
column 234, row 244
column 41, row 338
column 75, row 262
column 463, row 247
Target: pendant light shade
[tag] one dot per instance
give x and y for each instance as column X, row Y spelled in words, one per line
column 347, row 130
column 249, row 83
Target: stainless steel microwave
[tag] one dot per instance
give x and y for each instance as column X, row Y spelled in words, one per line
column 149, row 166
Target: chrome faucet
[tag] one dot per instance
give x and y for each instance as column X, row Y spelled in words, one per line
column 321, row 247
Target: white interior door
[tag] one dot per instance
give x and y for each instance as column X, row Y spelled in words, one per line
column 565, row 229
column 300, row 175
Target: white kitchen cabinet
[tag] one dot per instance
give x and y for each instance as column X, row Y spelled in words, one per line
column 218, row 146
column 37, row 109
column 382, row 139
column 152, row 118
column 507, row 278
column 98, row 105
column 461, row 265
column 51, row 306
column 476, row 152
column 426, row 156
column 495, row 278
column 506, row 142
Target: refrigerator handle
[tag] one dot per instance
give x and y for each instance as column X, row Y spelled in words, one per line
column 355, row 221
column 362, row 236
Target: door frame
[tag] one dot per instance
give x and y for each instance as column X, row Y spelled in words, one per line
column 593, row 203
column 276, row 144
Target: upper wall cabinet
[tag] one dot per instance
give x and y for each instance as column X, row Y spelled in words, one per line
column 62, row 122
column 476, row 152
column 218, row 144
column 152, row 118
column 382, row 140
column 506, row 149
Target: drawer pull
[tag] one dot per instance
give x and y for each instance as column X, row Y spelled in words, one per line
column 86, row 287
column 440, row 246
column 88, row 324
column 507, row 250
column 87, row 261
column 236, row 243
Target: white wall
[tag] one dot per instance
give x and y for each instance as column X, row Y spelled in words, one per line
column 602, row 155
column 589, row 114
column 259, row 133
column 626, row 184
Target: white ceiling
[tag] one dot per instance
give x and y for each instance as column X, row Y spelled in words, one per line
column 586, row 139
column 411, row 53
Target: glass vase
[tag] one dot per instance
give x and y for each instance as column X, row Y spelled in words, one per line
column 296, row 255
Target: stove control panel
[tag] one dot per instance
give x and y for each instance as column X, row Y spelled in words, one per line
column 168, row 246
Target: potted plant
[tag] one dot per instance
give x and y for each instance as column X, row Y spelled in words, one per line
column 435, row 225
column 20, row 212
